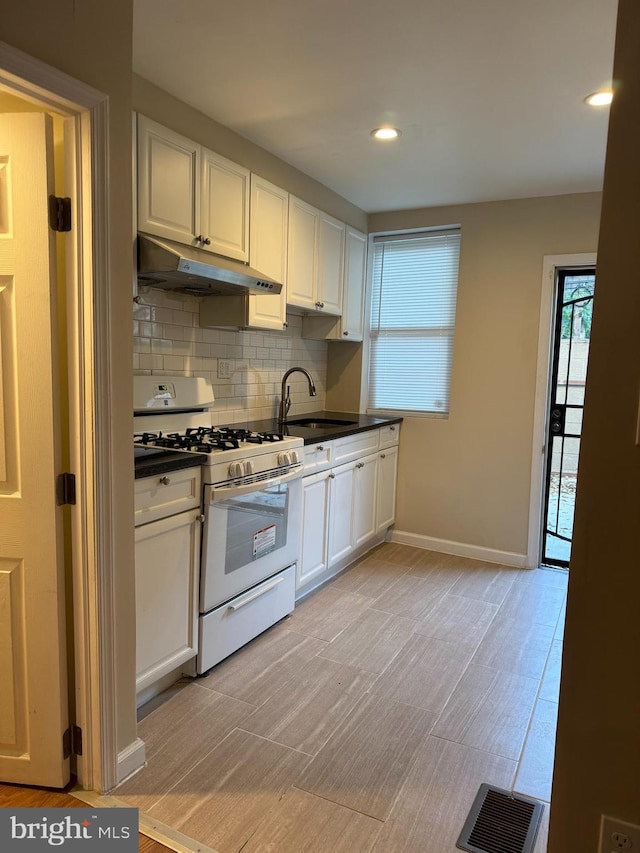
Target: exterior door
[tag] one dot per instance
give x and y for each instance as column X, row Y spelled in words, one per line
column 574, row 305
column 33, row 665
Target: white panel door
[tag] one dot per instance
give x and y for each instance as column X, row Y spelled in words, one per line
column 353, row 288
column 315, row 522
column 224, row 210
column 330, row 264
column 269, row 223
column 364, row 514
column 302, row 254
column 33, row 664
column 341, row 512
column 168, row 183
column 386, row 498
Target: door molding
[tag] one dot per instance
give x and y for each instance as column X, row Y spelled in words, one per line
column 86, row 113
column 550, row 265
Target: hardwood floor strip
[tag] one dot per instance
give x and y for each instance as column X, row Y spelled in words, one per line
column 430, row 811
column 372, row 641
column 224, row 798
column 364, row 764
column 304, row 822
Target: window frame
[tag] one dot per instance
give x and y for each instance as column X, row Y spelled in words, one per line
column 366, row 340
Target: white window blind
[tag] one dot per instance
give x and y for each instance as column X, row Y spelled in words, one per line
column 413, row 308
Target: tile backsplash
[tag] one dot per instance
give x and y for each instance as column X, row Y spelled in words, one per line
column 167, row 339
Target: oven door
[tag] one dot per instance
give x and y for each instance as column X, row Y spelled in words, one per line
column 251, row 531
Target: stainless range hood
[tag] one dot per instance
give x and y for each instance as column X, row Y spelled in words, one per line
column 169, row 265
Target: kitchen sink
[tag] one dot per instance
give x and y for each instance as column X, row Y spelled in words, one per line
column 318, row 423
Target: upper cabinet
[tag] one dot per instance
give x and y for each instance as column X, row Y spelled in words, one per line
column 191, row 195
column 316, row 259
column 268, row 251
column 350, row 325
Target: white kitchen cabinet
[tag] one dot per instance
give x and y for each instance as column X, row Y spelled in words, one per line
column 189, row 194
column 167, row 556
column 350, row 325
column 387, row 474
column 167, row 570
column 224, row 206
column 315, row 519
column 168, row 183
column 331, row 242
column 302, row 254
column 365, row 524
column 340, row 538
column 268, row 232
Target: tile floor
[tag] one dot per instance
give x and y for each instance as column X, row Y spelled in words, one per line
column 366, row 721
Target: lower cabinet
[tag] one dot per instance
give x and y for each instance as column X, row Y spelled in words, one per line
column 347, row 508
column 167, row 560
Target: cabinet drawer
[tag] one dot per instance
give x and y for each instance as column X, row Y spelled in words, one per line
column 389, row 435
column 167, row 494
column 317, row 457
column 353, row 446
column 230, row 626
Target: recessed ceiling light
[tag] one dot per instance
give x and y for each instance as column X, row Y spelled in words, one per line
column 599, row 99
column 385, row 133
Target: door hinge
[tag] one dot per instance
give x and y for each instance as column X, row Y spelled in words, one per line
column 59, row 213
column 72, row 742
column 66, row 489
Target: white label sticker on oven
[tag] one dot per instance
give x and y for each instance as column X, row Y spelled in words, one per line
column 264, row 540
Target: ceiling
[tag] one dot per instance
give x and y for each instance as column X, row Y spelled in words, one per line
column 488, row 95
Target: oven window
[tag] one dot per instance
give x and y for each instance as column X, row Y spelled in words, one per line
column 256, row 525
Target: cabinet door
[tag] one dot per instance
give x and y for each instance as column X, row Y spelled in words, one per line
column 364, row 504
column 353, row 293
column 168, row 183
column 167, row 556
column 268, row 251
column 302, row 254
column 224, row 219
column 330, row 265
column 386, row 499
column 315, row 522
column 341, row 512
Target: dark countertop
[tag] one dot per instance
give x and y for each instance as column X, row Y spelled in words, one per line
column 151, row 461
column 312, row 435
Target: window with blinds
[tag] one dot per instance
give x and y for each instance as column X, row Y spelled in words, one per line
column 413, row 310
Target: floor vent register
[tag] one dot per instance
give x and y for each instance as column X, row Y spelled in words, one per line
column 501, row 822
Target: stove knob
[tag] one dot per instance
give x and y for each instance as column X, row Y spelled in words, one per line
column 294, row 457
column 248, row 467
column 284, row 459
column 236, row 469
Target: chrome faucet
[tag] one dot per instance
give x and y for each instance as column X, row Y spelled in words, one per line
column 285, row 395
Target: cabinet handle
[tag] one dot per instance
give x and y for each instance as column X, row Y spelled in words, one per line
column 204, row 240
column 319, row 447
column 346, row 334
column 322, row 304
column 165, row 481
column 200, row 517
column 359, row 464
column 393, row 429
column 332, row 476
column 207, row 241
column 383, row 456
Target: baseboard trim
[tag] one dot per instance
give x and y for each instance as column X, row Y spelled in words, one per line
column 130, row 760
column 460, row 549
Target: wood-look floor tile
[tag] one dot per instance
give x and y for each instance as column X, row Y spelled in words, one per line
column 458, row 620
column 176, row 737
column 557, row 578
column 370, row 577
column 487, row 583
column 256, row 671
column 394, row 552
column 372, row 641
column 535, row 769
column 444, row 569
column 424, row 674
column 224, row 798
column 550, row 687
column 489, row 710
column 364, row 764
column 304, row 823
column 306, row 710
column 410, row 597
column 533, row 602
column 559, row 632
column 326, row 613
column 542, row 838
column 437, row 796
column 515, row 646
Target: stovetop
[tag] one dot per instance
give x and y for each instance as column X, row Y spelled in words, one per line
column 210, row 439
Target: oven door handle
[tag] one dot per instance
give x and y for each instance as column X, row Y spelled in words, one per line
column 219, row 493
column 256, row 594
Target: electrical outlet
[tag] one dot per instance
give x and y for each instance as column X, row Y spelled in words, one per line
column 616, row 835
column 224, row 368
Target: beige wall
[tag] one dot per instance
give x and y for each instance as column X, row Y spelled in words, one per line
column 165, row 109
column 598, row 749
column 91, row 41
column 467, row 479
